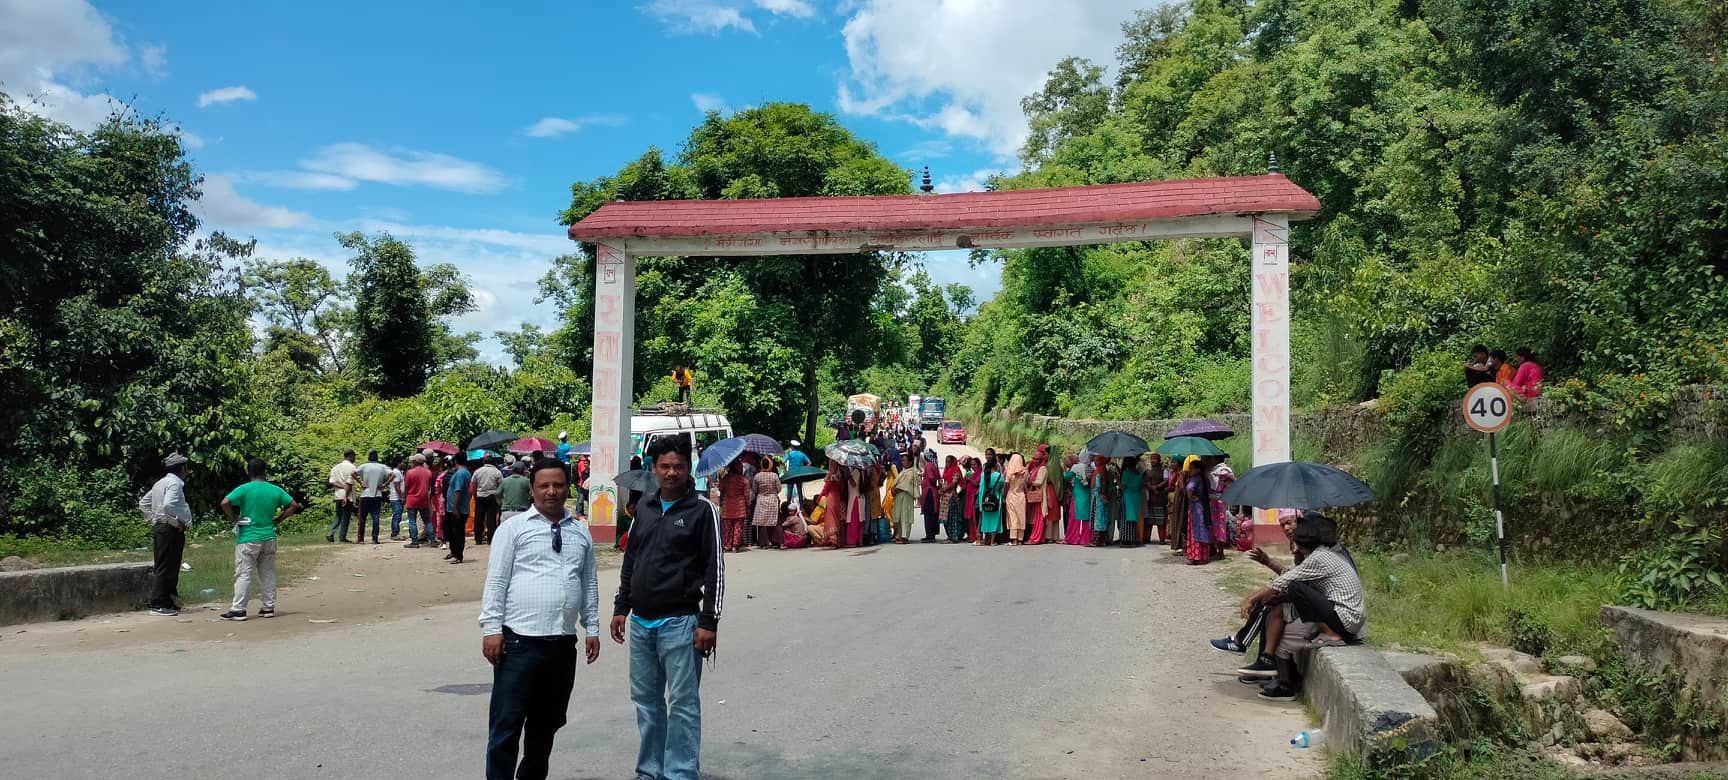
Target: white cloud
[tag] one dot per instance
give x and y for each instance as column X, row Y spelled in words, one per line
column 552, row 126
column 904, row 66
column 222, row 95
column 222, row 206
column 795, row 8
column 299, row 180
column 189, row 139
column 698, row 16
column 44, row 44
column 155, row 60
column 966, row 182
column 707, row 101
column 405, row 168
column 715, row 16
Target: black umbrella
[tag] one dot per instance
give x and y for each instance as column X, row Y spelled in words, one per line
column 490, row 440
column 1297, row 486
column 1117, row 444
column 641, row 480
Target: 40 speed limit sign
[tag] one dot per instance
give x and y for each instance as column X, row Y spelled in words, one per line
column 1488, row 407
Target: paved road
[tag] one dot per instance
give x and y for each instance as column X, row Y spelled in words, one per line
column 902, row 661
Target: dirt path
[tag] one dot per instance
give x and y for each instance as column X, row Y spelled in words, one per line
column 354, row 585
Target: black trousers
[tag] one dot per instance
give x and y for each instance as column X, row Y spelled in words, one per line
column 485, row 518
column 1255, row 627
column 168, row 546
column 455, row 532
column 1313, row 607
column 530, row 694
column 931, row 521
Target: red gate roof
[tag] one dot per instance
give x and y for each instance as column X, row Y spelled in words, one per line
column 1088, row 204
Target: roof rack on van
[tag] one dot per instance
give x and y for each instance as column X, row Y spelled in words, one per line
column 673, row 409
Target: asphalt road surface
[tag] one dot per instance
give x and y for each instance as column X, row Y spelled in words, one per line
column 922, row 660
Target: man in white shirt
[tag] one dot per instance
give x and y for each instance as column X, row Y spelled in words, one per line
column 342, row 486
column 488, row 480
column 166, row 508
column 540, row 583
column 374, row 480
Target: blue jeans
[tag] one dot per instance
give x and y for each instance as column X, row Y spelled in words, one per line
column 415, row 518
column 665, row 677
column 339, row 525
column 395, row 519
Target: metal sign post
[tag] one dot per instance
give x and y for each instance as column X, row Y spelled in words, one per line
column 1488, row 408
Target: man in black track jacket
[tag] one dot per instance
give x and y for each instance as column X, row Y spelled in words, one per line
column 670, row 593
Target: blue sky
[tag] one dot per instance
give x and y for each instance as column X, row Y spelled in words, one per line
column 460, row 126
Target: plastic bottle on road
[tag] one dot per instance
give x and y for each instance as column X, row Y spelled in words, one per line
column 1306, row 739
column 208, row 593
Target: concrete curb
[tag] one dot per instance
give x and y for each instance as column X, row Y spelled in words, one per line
column 1368, row 707
column 72, row 591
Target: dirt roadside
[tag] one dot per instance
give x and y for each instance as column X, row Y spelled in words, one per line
column 354, row 585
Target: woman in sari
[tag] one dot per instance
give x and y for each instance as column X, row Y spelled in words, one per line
column 1079, row 529
column 974, row 472
column 1203, row 537
column 1133, row 501
column 875, row 517
column 832, row 506
column 857, row 505
column 1036, row 490
column 1177, row 522
column 765, row 517
column 953, row 498
column 991, row 497
column 443, row 474
column 1014, row 499
column 1106, row 499
column 795, row 532
column 1157, row 500
column 905, row 491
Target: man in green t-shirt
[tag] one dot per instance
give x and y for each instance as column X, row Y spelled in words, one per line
column 255, row 508
column 516, row 493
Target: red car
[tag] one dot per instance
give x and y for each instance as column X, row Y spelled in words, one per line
column 953, row 432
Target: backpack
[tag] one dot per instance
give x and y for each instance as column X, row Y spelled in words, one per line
column 992, row 502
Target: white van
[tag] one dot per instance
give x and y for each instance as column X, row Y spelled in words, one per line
column 699, row 427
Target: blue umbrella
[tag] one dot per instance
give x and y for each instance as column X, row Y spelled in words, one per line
column 718, row 455
column 478, row 454
column 585, row 448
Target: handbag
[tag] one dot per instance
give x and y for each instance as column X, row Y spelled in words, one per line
column 992, row 502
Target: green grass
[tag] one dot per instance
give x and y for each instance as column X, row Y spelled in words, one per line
column 1452, row 601
column 1485, row 762
column 211, row 557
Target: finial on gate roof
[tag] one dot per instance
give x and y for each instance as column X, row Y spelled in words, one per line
column 926, row 187
column 1271, row 162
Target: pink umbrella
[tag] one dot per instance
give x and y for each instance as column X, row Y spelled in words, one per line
column 437, row 445
column 533, row 444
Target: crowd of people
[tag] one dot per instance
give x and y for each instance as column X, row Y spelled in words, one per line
column 1522, row 375
column 909, row 493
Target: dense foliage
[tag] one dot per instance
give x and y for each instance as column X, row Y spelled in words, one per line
column 1539, row 173
column 762, row 332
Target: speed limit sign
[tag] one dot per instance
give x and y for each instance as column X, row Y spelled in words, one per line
column 1488, row 407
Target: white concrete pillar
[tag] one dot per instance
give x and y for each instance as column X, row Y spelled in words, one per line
column 1271, row 332
column 614, row 397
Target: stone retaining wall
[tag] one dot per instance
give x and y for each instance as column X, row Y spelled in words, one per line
column 1368, row 707
column 1693, row 646
column 72, row 591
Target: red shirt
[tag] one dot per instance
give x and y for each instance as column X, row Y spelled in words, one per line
column 734, row 495
column 417, row 484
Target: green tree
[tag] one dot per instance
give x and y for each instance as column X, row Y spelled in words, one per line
column 400, row 333
column 803, row 311
column 300, row 295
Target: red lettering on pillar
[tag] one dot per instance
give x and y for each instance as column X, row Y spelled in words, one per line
column 605, row 422
column 1274, row 417
column 1264, row 364
column 605, row 345
column 606, row 310
column 1268, row 312
column 1275, row 286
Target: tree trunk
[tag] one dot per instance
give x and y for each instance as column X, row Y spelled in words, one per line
column 810, row 398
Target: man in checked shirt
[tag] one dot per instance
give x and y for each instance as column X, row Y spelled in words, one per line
column 540, row 582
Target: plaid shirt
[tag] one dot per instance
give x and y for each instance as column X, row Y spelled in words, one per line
column 1332, row 573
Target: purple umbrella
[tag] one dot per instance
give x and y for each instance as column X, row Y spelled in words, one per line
column 1205, row 429
column 762, row 443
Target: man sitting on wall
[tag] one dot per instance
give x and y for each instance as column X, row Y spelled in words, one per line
column 1325, row 594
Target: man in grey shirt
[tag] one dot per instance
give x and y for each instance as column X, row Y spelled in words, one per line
column 374, row 479
column 542, row 589
column 487, row 480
